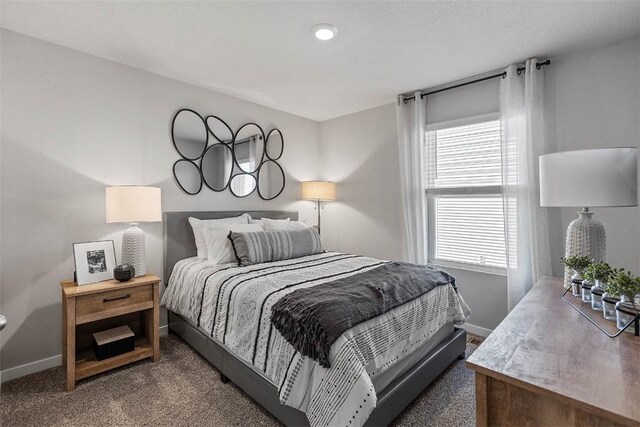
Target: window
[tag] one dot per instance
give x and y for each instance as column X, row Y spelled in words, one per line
column 464, row 184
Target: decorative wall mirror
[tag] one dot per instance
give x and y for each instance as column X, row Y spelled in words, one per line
column 242, row 184
column 242, row 162
column 274, row 147
column 189, row 134
column 248, row 147
column 187, row 176
column 216, row 166
column 219, row 129
column 270, row 180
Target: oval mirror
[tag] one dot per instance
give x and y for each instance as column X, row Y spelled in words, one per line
column 248, row 147
column 270, row 180
column 242, row 184
column 274, row 145
column 216, row 166
column 219, row 129
column 189, row 134
column 187, row 176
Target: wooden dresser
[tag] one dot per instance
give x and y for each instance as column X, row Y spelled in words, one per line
column 92, row 308
column 546, row 365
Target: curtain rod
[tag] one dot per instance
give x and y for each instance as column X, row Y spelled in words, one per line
column 519, row 70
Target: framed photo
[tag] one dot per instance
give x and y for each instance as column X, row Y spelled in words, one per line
column 94, row 261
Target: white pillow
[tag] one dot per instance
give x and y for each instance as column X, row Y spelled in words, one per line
column 283, row 225
column 198, row 232
column 219, row 248
column 259, row 221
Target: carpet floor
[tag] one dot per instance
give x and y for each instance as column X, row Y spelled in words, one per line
column 182, row 389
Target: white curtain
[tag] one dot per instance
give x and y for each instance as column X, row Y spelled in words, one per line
column 411, row 119
column 526, row 231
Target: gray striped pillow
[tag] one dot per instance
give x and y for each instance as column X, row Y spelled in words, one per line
column 266, row 246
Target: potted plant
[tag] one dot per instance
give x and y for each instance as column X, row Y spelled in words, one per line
column 598, row 274
column 577, row 263
column 627, row 287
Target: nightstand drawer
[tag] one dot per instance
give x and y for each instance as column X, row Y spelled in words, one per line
column 113, row 303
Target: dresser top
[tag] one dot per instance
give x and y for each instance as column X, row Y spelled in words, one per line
column 72, row 290
column 546, row 346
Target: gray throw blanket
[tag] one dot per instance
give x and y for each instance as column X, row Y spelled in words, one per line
column 312, row 319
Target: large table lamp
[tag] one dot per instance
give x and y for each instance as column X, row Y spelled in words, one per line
column 319, row 191
column 606, row 177
column 133, row 204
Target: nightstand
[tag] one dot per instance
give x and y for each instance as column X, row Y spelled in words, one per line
column 99, row 306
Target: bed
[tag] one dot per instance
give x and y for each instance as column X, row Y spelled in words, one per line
column 378, row 366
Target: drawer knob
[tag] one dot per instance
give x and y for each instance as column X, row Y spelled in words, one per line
column 116, row 298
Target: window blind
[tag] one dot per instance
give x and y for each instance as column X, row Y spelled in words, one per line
column 464, row 182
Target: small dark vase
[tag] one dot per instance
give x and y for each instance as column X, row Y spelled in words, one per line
column 124, row 273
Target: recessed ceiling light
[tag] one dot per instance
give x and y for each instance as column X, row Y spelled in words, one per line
column 324, row 32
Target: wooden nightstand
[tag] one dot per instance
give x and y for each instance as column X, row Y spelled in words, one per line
column 99, row 306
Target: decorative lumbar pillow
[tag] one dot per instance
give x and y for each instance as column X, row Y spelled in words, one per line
column 268, row 246
column 198, row 226
column 219, row 248
column 282, row 224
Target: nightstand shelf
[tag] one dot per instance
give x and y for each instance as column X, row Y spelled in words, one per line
column 87, row 364
column 100, row 306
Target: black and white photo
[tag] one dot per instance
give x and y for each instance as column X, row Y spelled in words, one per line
column 94, row 261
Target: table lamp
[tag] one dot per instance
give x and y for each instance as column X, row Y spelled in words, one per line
column 319, row 191
column 133, row 204
column 606, row 177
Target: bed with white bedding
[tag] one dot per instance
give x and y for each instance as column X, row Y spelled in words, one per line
column 232, row 306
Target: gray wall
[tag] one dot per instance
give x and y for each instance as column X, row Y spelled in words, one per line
column 592, row 99
column 73, row 124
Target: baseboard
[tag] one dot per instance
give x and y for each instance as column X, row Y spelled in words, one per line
column 48, row 363
column 30, row 368
column 477, row 330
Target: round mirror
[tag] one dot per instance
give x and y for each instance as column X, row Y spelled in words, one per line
column 189, row 134
column 270, row 180
column 274, row 145
column 248, row 147
column 187, row 176
column 242, row 185
column 216, row 166
column 219, row 129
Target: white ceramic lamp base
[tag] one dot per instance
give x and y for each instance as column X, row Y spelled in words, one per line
column 133, row 249
column 585, row 237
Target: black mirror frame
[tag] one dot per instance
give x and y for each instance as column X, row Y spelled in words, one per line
column 230, row 142
column 204, row 180
column 266, row 145
column 255, row 180
column 178, row 181
column 173, row 139
column 236, row 170
column 264, row 149
column 284, row 180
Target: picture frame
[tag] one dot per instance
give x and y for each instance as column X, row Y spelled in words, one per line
column 94, row 261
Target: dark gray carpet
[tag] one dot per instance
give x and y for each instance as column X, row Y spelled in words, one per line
column 182, row 389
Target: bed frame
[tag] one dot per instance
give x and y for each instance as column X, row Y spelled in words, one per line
column 179, row 244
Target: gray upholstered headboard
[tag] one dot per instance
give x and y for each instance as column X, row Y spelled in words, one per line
column 178, row 236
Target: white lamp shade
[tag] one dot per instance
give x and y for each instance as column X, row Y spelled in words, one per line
column 324, row 191
column 133, row 203
column 590, row 178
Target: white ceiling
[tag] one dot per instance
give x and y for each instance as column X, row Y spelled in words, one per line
column 264, row 51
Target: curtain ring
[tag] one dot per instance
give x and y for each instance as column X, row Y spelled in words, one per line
column 504, row 75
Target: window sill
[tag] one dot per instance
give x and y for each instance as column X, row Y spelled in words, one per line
column 496, row 271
